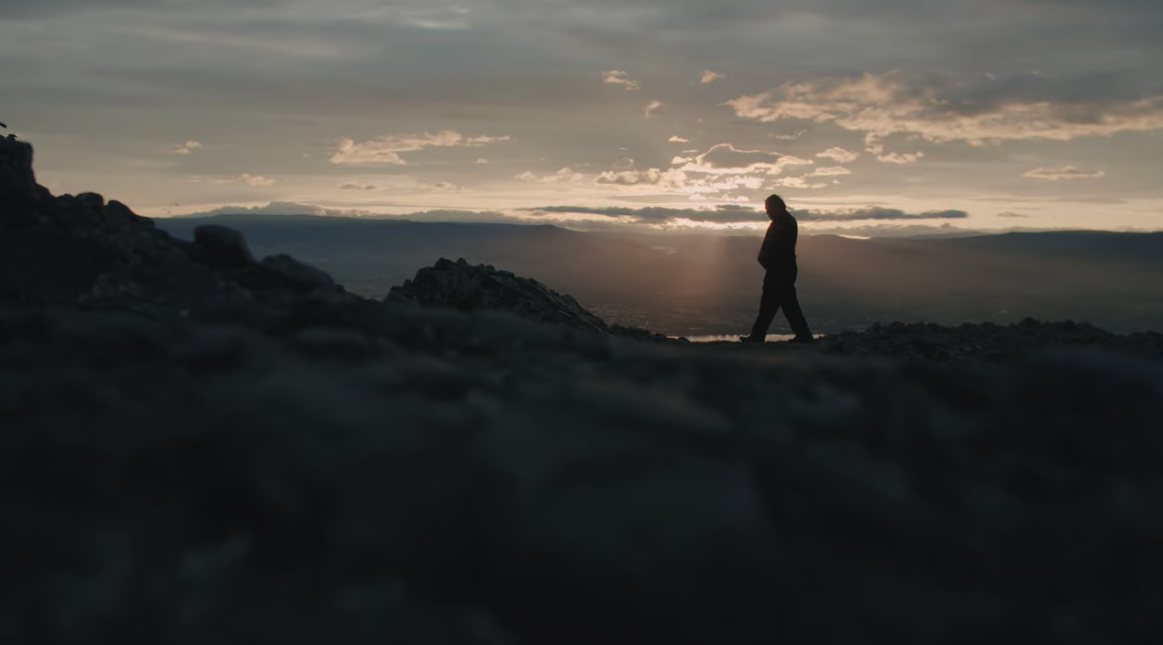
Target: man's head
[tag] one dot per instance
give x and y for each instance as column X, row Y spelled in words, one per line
column 775, row 206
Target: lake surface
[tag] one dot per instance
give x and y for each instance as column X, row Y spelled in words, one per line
column 771, row 338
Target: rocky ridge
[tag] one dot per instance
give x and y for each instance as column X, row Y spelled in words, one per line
column 198, row 447
column 461, row 286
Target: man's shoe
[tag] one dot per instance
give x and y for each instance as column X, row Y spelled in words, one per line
column 806, row 339
column 751, row 339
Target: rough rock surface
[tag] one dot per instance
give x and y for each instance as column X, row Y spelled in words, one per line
column 80, row 250
column 296, row 465
column 459, row 285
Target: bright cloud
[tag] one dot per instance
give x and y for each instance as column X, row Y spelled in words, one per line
column 619, row 77
column 900, row 157
column 1063, row 172
column 678, row 139
column 726, row 213
column 724, row 158
column 737, row 213
column 830, row 171
column 650, row 108
column 563, row 175
column 710, row 77
column 798, row 182
column 387, row 149
column 185, row 148
column 256, row 180
column 839, row 155
column 874, row 213
column 886, row 104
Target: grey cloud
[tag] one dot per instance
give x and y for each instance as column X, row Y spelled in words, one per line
column 453, row 215
column 25, row 9
column 280, row 208
column 1063, row 172
column 725, row 214
column 874, row 213
column 734, row 213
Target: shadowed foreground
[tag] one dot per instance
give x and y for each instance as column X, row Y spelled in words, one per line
column 199, row 447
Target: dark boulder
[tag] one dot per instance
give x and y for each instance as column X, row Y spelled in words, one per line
column 464, row 287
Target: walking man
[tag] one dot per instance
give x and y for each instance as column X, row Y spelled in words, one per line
column 778, row 257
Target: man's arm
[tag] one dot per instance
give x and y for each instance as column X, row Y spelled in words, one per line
column 768, row 247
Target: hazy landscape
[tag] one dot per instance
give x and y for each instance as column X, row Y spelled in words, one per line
column 407, row 322
column 709, row 284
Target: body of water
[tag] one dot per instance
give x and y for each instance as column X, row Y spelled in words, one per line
column 771, row 338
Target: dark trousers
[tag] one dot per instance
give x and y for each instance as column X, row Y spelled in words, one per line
column 779, row 290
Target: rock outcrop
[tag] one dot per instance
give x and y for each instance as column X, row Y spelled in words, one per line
column 80, row 250
column 464, row 287
column 284, row 463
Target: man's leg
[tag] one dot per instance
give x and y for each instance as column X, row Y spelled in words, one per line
column 768, row 307
column 795, row 315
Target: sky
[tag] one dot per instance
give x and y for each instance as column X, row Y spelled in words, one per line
column 871, row 116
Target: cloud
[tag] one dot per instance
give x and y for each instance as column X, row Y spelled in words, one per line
column 798, row 182
column 482, row 161
column 721, row 169
column 725, row 158
column 887, row 104
column 563, row 175
column 650, row 108
column 386, row 149
column 452, row 215
column 1063, row 172
column 185, row 148
column 737, row 213
column 1011, row 214
column 678, row 139
column 441, row 187
column 724, row 214
column 900, row 157
column 648, row 177
column 280, row 208
column 256, row 180
column 899, row 230
column 625, row 163
column 619, row 77
column 874, row 213
column 839, row 155
column 710, row 77
column 830, row 171
column 357, row 186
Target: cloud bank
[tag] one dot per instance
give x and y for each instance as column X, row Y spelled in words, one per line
column 386, row 149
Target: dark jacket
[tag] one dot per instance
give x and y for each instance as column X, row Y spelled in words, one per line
column 778, row 252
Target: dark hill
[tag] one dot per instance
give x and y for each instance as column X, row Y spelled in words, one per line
column 198, row 447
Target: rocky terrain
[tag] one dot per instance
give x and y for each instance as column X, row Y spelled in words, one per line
column 200, row 447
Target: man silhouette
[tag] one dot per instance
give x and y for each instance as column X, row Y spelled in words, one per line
column 778, row 257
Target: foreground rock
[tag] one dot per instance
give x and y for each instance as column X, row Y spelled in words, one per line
column 289, row 464
column 464, row 287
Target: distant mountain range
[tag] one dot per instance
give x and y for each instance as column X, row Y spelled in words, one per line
column 690, row 284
